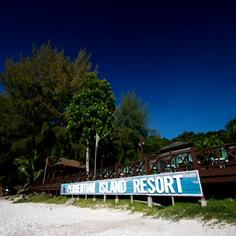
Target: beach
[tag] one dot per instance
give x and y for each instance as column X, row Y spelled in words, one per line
column 49, row 219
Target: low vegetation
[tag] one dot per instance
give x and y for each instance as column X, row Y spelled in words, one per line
column 217, row 211
column 42, row 198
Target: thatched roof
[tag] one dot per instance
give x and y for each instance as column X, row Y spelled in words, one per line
column 70, row 163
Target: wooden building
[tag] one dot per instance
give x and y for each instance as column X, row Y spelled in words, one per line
column 216, row 167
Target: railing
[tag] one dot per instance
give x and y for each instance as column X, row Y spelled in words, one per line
column 220, row 157
column 180, row 160
column 172, row 162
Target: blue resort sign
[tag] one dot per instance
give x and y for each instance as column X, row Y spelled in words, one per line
column 185, row 183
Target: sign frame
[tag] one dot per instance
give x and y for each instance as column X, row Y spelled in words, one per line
column 194, row 174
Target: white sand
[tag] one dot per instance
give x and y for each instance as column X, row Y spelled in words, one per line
column 44, row 219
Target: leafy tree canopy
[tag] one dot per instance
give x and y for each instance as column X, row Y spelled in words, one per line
column 91, row 110
column 130, row 125
column 153, row 143
column 230, row 128
column 37, row 90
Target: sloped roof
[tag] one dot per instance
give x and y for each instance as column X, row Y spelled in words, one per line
column 176, row 145
column 70, row 163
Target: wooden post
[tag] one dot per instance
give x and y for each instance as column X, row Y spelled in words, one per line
column 173, row 200
column 147, row 167
column 150, row 202
column 117, row 199
column 104, row 198
column 141, row 144
column 195, row 161
column 131, row 199
column 86, row 197
column 203, row 202
column 117, row 168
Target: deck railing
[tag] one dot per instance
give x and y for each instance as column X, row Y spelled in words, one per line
column 219, row 157
column 205, row 161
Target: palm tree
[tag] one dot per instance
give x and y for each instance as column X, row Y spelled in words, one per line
column 209, row 142
column 27, row 168
column 230, row 128
column 201, row 143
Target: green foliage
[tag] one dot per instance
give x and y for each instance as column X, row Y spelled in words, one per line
column 208, row 142
column 43, row 197
column 130, row 125
column 46, row 91
column 186, row 137
column 37, row 90
column 153, row 143
column 230, row 128
column 131, row 113
column 48, row 199
column 91, row 110
column 202, row 140
column 220, row 211
column 27, row 169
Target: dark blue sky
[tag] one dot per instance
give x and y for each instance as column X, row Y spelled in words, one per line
column 180, row 57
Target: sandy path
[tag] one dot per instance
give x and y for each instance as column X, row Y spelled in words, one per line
column 44, row 219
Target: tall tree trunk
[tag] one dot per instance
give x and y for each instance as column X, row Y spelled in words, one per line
column 87, row 158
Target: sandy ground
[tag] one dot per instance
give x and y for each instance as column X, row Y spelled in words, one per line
column 44, row 219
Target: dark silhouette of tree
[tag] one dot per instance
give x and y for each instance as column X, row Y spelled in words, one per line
column 37, row 90
column 130, row 125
